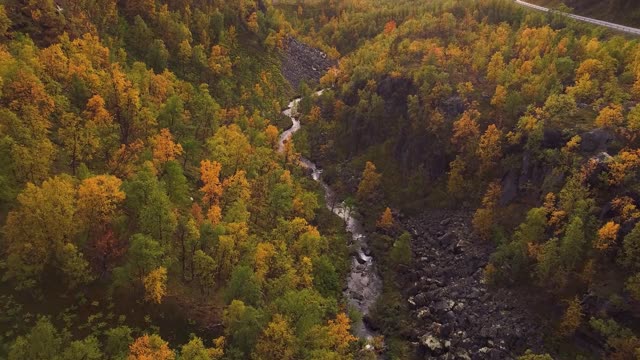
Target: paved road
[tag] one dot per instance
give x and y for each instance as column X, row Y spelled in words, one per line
column 618, row 27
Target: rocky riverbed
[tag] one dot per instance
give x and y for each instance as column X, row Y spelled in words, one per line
column 456, row 315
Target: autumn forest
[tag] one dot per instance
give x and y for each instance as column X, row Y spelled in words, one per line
column 317, row 180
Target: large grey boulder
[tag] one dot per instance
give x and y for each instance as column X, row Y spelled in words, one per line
column 432, row 343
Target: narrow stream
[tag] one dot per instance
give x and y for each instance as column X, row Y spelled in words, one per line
column 363, row 283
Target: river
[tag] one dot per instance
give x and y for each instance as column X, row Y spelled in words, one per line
column 363, row 283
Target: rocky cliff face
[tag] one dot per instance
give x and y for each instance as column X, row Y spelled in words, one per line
column 456, row 315
column 301, row 62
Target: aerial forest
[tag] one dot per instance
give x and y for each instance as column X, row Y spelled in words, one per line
column 450, row 179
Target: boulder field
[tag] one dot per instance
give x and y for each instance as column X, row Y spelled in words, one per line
column 455, row 314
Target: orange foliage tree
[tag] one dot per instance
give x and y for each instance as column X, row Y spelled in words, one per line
column 155, row 285
column 490, row 148
column 390, row 26
column 272, row 134
column 219, row 61
column 386, row 220
column 210, row 176
column 150, row 347
column 370, row 182
column 98, row 199
column 483, row 218
column 610, row 117
column 466, row 131
column 165, row 149
column 623, row 166
column 340, row 335
column 607, row 235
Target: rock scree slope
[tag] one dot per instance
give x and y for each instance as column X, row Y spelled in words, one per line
column 301, row 62
column 456, row 315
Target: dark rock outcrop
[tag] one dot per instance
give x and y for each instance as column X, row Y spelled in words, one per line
column 509, row 187
column 301, row 62
column 596, row 140
column 394, row 91
column 456, row 315
column 553, row 139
